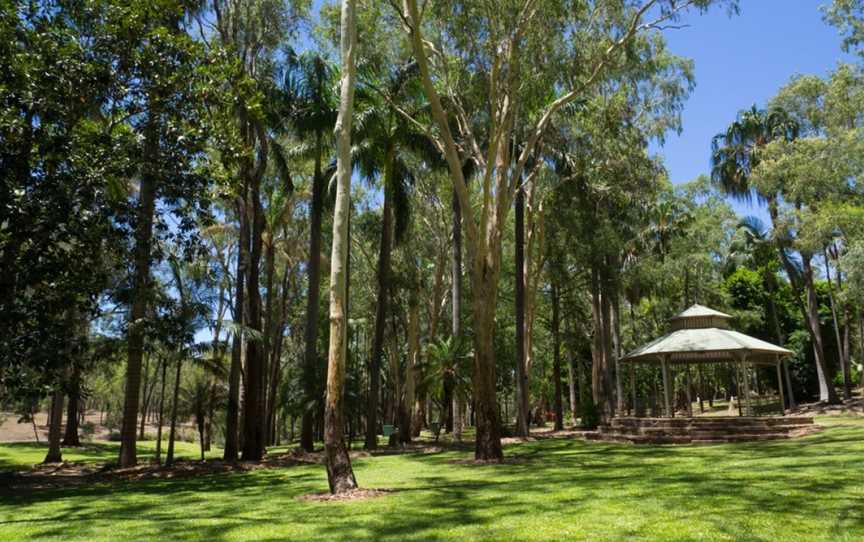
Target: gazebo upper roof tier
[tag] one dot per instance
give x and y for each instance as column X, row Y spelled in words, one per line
column 698, row 317
column 695, row 340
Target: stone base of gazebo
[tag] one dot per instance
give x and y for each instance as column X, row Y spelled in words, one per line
column 704, row 430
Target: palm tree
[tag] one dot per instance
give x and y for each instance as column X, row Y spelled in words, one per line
column 185, row 319
column 386, row 141
column 310, row 97
column 734, row 155
column 280, row 205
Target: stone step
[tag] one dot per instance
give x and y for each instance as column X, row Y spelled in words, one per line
column 606, row 434
column 700, row 430
column 718, row 421
column 717, row 439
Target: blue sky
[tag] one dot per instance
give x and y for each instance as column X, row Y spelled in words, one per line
column 740, row 61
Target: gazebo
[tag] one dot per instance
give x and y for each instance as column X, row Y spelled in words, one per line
column 699, row 336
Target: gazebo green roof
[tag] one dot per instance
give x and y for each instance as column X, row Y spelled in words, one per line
column 701, row 335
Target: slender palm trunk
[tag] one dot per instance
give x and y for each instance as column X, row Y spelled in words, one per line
column 556, row 359
column 269, row 338
column 146, row 392
column 232, row 418
column 161, row 412
column 140, row 293
column 522, row 401
column 172, row 433
column 405, row 429
column 340, row 475
column 310, row 356
column 384, row 251
column 253, row 398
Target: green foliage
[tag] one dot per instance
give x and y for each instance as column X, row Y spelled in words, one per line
column 589, row 415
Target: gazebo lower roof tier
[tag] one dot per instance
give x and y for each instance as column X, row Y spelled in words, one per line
column 708, row 345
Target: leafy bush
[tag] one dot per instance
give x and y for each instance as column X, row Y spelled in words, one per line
column 590, row 415
column 854, row 372
column 88, row 429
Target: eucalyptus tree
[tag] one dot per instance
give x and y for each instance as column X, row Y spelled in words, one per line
column 496, row 63
column 340, row 475
column 811, row 175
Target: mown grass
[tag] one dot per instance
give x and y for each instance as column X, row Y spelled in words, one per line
column 21, row 455
column 806, row 489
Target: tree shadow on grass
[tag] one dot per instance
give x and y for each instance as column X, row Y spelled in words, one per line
column 730, row 491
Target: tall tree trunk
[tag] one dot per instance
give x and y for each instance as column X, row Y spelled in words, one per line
column 340, row 475
column 600, row 381
column 201, row 422
column 523, row 413
column 70, row 436
column 269, row 338
column 607, row 337
column 394, row 405
column 275, row 362
column 146, row 391
column 55, row 420
column 487, row 446
column 405, row 429
column 456, row 307
column 383, row 275
column 140, row 292
column 172, row 432
column 161, row 412
column 827, row 393
column 253, row 398
column 615, row 319
column 556, row 358
column 802, row 284
column 572, row 369
column 838, row 334
column 232, row 418
column 773, row 315
column 310, row 355
column 485, row 258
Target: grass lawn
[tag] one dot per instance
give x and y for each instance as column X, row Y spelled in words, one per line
column 21, row 455
column 807, row 489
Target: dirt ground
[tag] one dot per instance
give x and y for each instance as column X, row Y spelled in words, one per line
column 12, row 431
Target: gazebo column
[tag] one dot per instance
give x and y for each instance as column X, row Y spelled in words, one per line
column 664, row 363
column 780, row 387
column 689, row 395
column 746, row 381
column 739, row 387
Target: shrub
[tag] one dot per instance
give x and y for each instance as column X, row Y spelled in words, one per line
column 88, row 429
column 590, row 415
